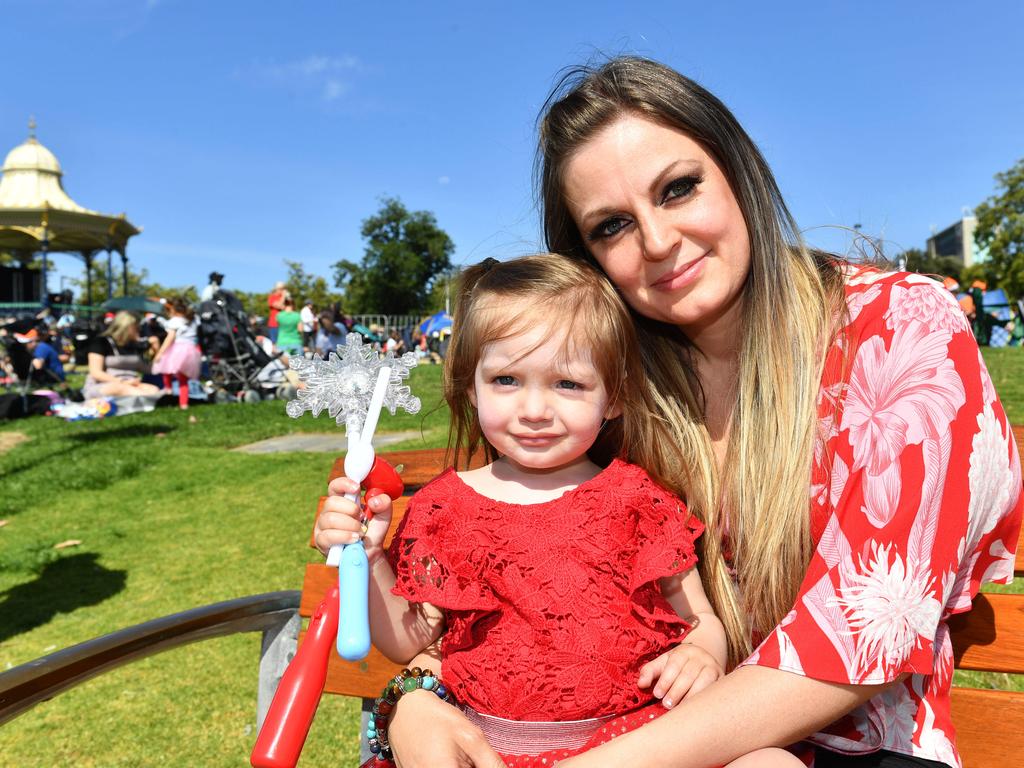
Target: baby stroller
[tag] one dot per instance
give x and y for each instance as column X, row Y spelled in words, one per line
column 240, row 369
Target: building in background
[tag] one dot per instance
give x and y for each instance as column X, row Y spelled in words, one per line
column 957, row 241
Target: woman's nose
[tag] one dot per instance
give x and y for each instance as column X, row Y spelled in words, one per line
column 658, row 238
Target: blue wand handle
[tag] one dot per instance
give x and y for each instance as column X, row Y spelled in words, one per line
column 353, row 608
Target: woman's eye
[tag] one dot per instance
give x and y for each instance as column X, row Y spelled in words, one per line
column 608, row 228
column 505, row 381
column 680, row 188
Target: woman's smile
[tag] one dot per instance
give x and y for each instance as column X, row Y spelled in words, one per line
column 682, row 276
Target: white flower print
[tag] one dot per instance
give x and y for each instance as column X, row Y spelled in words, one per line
column 927, row 303
column 893, row 712
column 900, row 396
column 882, row 495
column 857, row 301
column 988, row 390
column 990, row 478
column 889, row 606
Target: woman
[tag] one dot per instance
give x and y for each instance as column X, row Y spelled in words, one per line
column 116, row 363
column 784, row 374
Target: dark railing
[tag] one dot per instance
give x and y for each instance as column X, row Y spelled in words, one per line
column 25, row 686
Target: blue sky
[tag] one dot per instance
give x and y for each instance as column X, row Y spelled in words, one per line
column 239, row 134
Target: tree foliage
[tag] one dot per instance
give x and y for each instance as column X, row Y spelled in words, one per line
column 405, row 250
column 919, row 261
column 303, row 286
column 1000, row 231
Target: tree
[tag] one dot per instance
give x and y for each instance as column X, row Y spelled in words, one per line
column 1000, row 230
column 919, row 261
column 303, row 286
column 404, row 252
column 138, row 281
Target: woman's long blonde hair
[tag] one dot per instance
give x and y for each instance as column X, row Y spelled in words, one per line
column 120, row 328
column 758, row 504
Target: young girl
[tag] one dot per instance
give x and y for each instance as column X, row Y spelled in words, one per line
column 563, row 586
column 179, row 356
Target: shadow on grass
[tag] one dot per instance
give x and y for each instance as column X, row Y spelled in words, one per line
column 63, row 586
column 134, row 430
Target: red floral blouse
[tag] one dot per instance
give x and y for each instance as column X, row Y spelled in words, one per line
column 916, row 501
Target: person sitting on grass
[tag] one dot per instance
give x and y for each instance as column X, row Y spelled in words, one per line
column 116, row 361
column 46, row 363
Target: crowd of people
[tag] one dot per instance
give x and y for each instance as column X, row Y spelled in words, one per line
column 150, row 355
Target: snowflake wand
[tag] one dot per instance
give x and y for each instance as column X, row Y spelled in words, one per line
column 353, row 385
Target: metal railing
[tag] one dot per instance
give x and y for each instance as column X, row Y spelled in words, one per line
column 273, row 613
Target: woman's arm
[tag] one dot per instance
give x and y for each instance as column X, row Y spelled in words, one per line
column 426, row 732
column 98, row 368
column 750, row 708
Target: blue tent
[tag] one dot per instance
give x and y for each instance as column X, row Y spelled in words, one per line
column 435, row 323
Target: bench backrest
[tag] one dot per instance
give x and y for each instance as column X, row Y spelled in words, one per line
column 989, row 638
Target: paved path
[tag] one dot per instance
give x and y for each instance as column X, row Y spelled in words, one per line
column 319, row 442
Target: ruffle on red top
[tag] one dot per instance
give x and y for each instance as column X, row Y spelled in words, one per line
column 551, row 608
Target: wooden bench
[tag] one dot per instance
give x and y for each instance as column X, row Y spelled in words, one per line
column 990, row 638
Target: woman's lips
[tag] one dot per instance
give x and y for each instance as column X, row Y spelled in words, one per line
column 682, row 276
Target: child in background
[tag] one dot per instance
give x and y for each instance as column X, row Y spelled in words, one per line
column 179, row 356
column 561, row 576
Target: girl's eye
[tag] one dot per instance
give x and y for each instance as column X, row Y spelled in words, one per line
column 681, row 187
column 608, row 228
column 566, row 384
column 505, row 381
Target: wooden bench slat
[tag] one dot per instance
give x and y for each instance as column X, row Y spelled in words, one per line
column 988, row 731
column 419, row 467
column 990, row 637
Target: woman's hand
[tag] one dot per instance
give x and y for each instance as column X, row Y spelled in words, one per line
column 683, row 671
column 426, row 732
column 338, row 522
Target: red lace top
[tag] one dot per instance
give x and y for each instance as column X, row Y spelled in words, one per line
column 552, row 608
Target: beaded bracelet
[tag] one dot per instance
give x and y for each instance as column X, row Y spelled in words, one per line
column 404, row 682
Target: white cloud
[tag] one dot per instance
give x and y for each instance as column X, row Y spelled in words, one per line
column 323, row 75
column 443, row 180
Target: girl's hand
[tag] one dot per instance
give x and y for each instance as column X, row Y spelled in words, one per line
column 683, row 671
column 338, row 522
column 426, row 732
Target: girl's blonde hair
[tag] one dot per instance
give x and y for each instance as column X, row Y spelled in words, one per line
column 121, row 326
column 758, row 504
column 498, row 300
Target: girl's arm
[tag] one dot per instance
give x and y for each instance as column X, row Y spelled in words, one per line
column 685, row 594
column 399, row 629
column 700, row 658
column 168, row 340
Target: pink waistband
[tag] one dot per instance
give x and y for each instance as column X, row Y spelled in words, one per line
column 529, row 737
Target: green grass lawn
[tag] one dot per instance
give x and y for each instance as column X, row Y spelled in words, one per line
column 169, row 518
